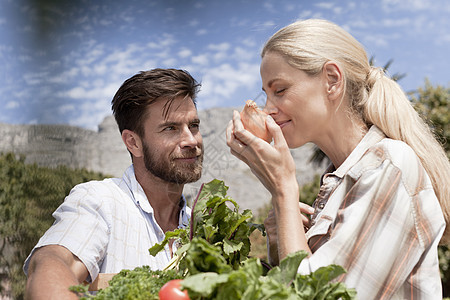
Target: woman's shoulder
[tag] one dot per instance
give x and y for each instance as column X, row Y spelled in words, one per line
column 402, row 157
column 397, row 151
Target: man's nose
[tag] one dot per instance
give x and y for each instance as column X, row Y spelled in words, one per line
column 188, row 139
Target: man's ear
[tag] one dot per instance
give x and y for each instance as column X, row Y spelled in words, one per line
column 133, row 142
column 334, row 80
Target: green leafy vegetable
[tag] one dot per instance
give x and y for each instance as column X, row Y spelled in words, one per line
column 212, row 258
column 219, row 230
column 140, row 283
column 282, row 282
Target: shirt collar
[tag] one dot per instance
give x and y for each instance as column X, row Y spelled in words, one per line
column 373, row 136
column 140, row 198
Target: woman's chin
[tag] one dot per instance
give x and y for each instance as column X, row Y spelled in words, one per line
column 294, row 141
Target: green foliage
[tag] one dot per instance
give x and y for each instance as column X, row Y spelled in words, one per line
column 282, row 282
column 218, row 236
column 140, row 283
column 214, row 259
column 28, row 196
column 433, row 103
column 308, row 192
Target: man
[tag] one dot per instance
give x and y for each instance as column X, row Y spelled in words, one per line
column 106, row 226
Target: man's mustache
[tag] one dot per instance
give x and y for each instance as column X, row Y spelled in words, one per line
column 190, row 154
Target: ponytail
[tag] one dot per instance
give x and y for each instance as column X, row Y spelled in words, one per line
column 389, row 109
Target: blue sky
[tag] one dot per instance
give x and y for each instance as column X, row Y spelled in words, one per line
column 62, row 61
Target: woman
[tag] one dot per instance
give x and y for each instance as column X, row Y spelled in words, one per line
column 383, row 202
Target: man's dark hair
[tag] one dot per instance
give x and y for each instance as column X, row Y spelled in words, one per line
column 130, row 102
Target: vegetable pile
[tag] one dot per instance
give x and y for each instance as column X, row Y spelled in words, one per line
column 213, row 262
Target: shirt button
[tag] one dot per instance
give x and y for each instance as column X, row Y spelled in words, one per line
column 321, row 205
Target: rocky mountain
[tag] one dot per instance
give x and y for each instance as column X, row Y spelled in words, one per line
column 103, row 151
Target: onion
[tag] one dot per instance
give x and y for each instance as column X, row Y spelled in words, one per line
column 254, row 120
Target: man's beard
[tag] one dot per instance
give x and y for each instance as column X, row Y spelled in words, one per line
column 171, row 171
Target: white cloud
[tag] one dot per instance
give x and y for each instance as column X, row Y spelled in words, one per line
column 325, row 5
column 201, row 59
column 305, row 14
column 443, row 39
column 219, row 47
column 167, row 40
column 183, row 53
column 201, row 32
column 415, row 5
column 268, row 6
column 24, row 58
column 75, row 93
column 396, row 22
column 170, row 62
column 199, row 5
column 221, row 82
column 67, row 108
column 34, row 78
column 378, row 40
column 12, row 105
column 290, row 7
column 193, row 23
column 243, row 54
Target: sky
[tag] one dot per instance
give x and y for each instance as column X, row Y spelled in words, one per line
column 61, row 61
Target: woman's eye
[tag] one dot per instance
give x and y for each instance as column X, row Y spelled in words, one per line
column 279, row 91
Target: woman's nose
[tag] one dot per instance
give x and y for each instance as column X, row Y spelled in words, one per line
column 270, row 108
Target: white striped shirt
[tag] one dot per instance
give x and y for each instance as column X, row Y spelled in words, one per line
column 109, row 225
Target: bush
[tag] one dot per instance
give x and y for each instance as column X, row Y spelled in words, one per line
column 28, row 196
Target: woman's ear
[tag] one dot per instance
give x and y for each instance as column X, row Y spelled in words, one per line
column 133, row 142
column 334, row 80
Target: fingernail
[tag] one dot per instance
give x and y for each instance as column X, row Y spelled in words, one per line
column 270, row 119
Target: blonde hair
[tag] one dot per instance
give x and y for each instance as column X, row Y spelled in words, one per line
column 373, row 96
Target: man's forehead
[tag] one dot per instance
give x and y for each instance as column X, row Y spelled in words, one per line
column 166, row 109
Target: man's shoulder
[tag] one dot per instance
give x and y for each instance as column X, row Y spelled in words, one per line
column 98, row 185
column 106, row 188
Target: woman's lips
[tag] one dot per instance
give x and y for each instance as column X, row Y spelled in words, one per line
column 283, row 123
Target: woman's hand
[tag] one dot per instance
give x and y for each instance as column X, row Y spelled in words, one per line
column 273, row 164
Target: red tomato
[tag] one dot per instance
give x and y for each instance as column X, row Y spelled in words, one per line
column 172, row 291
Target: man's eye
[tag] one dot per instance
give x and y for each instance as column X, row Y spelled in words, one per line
column 169, row 128
column 195, row 125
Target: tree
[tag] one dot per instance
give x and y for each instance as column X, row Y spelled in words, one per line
column 433, row 103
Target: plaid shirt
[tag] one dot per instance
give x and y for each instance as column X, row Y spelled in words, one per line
column 109, row 225
column 378, row 217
